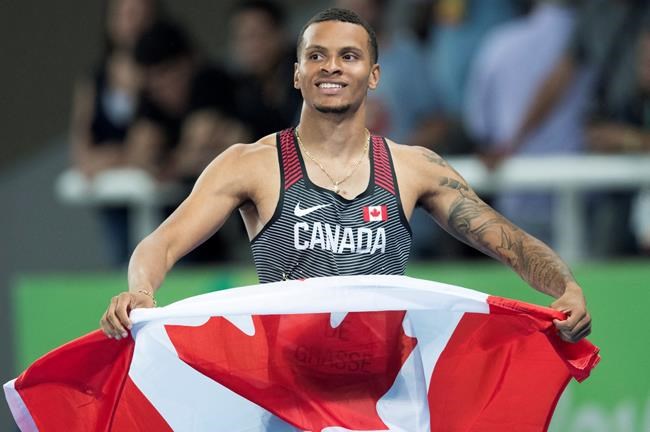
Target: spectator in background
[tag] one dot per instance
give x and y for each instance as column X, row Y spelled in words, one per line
column 105, row 103
column 603, row 41
column 459, row 26
column 262, row 58
column 186, row 115
column 627, row 130
column 509, row 68
column 104, row 106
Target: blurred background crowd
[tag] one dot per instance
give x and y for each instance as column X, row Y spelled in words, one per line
column 165, row 86
column 494, row 78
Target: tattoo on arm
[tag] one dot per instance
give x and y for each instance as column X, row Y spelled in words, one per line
column 437, row 160
column 474, row 222
column 453, row 184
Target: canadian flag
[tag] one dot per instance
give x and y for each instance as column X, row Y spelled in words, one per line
column 356, row 353
column 375, row 213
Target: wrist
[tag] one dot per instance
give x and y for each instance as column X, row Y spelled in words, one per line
column 572, row 287
column 148, row 293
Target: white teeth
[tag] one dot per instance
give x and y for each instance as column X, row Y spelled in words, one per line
column 329, row 85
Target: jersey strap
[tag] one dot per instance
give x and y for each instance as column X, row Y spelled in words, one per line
column 290, row 161
column 383, row 172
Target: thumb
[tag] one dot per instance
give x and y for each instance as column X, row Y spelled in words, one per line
column 563, row 310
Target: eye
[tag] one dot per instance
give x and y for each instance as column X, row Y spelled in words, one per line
column 350, row 56
column 315, row 56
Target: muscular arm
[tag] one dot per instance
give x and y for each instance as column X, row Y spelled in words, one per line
column 460, row 211
column 217, row 192
column 471, row 220
column 221, row 188
column 463, row 214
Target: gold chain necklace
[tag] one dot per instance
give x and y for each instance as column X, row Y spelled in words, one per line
column 335, row 183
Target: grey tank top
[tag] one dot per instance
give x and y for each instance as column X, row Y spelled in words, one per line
column 316, row 232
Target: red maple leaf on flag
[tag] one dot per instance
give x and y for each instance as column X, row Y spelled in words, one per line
column 300, row 368
column 375, row 212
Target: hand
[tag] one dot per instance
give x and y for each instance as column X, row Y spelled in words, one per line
column 115, row 321
column 578, row 322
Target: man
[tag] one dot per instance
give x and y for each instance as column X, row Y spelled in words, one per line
column 328, row 199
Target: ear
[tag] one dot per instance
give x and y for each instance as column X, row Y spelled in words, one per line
column 296, row 76
column 375, row 72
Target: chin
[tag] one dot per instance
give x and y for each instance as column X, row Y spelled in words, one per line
column 340, row 109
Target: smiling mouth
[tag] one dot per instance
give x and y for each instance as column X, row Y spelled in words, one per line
column 330, row 85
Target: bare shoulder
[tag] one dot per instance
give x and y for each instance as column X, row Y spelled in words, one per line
column 422, row 171
column 263, row 145
column 419, row 164
column 245, row 158
column 262, row 149
column 416, row 155
column 242, row 167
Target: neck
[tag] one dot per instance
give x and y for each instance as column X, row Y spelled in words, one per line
column 335, row 136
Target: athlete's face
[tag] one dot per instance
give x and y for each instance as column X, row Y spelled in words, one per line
column 335, row 68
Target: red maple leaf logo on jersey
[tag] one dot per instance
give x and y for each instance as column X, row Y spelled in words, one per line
column 300, row 368
column 376, row 213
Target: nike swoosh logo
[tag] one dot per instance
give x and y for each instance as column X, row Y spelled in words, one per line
column 304, row 212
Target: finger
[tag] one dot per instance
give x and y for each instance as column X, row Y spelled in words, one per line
column 122, row 310
column 106, row 328
column 582, row 329
column 118, row 330
column 571, row 321
column 562, row 325
column 586, row 331
column 105, row 321
column 580, row 325
column 573, row 338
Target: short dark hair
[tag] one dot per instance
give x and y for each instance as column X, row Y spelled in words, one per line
column 164, row 41
column 347, row 16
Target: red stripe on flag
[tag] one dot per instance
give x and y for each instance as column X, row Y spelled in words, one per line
column 501, row 371
column 580, row 358
column 76, row 387
column 135, row 413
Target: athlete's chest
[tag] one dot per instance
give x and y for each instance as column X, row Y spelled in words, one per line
column 321, row 221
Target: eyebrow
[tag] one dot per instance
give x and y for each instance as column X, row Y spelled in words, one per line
column 315, row 47
column 343, row 49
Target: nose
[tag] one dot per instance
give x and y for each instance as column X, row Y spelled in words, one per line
column 331, row 66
